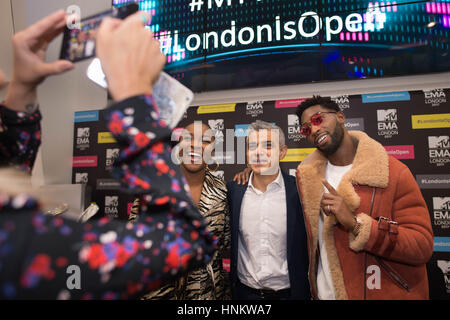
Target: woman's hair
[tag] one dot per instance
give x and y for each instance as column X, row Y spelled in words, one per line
column 14, row 182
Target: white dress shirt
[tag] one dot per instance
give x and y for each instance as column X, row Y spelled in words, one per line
column 325, row 288
column 262, row 258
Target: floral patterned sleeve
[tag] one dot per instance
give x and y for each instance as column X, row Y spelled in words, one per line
column 20, row 137
column 42, row 256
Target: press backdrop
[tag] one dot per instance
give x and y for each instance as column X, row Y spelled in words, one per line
column 412, row 125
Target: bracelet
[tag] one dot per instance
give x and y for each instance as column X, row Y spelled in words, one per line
column 357, row 227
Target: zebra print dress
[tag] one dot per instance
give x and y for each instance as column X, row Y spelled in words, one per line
column 210, row 282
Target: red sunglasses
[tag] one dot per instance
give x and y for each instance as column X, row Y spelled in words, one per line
column 316, row 119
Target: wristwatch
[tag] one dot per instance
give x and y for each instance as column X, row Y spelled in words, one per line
column 357, row 227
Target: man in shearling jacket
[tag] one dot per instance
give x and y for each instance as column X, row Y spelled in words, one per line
column 369, row 230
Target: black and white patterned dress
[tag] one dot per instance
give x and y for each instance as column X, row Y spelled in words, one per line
column 210, row 282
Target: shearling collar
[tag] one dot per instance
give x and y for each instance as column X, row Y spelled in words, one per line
column 370, row 166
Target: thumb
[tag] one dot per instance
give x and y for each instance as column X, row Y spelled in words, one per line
column 54, row 68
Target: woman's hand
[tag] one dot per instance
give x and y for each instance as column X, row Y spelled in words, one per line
column 30, row 68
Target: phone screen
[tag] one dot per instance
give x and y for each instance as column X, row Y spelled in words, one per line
column 171, row 96
column 79, row 43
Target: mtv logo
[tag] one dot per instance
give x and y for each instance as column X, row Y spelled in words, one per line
column 83, row 132
column 81, row 178
column 217, row 124
column 441, row 142
column 441, row 204
column 111, row 201
column 387, row 115
column 112, row 153
column 444, row 265
column 293, row 120
column 218, row 174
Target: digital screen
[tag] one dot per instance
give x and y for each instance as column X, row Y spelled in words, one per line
column 79, row 43
column 79, row 39
column 230, row 44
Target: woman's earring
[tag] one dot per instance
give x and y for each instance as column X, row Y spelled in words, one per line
column 216, row 168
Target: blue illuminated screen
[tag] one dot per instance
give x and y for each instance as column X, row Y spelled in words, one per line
column 229, row 44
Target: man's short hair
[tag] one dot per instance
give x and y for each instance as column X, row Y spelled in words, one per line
column 325, row 102
column 262, row 125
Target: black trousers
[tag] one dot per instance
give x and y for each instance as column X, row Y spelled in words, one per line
column 244, row 292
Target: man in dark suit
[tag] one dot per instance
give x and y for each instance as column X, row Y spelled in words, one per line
column 269, row 257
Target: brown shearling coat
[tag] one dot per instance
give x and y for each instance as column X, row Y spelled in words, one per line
column 378, row 263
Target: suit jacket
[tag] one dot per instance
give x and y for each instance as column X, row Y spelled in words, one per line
column 297, row 253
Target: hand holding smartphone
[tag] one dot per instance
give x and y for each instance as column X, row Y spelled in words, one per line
column 170, row 95
column 79, row 43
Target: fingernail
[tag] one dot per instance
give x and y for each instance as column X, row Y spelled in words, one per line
column 145, row 18
column 68, row 67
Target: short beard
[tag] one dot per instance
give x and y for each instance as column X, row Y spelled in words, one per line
column 336, row 140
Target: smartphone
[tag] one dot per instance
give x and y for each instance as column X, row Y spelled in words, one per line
column 79, row 43
column 172, row 98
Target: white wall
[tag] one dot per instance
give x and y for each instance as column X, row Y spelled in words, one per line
column 61, row 96
column 6, row 31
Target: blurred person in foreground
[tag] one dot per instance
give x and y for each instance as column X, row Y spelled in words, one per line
column 113, row 259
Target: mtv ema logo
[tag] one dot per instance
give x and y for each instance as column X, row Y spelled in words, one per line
column 441, row 210
column 387, row 122
column 83, row 135
column 439, row 150
column 255, row 108
column 444, row 265
column 111, row 204
column 111, row 155
column 81, row 177
column 294, row 128
column 342, row 101
column 217, row 126
column 435, row 97
column 293, row 120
